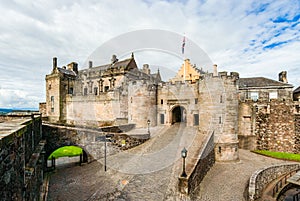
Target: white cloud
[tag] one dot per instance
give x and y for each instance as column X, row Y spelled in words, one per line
column 233, row 33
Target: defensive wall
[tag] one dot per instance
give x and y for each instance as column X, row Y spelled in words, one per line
column 21, row 157
column 275, row 126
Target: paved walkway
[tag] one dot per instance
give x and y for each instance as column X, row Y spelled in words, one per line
column 147, row 172
column 227, row 181
column 150, row 172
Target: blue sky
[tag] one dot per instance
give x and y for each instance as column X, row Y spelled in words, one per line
column 254, row 38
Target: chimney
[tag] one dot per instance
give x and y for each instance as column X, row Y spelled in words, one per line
column 283, row 77
column 146, row 69
column 75, row 67
column 70, row 66
column 114, row 59
column 215, row 70
column 90, row 64
column 54, row 63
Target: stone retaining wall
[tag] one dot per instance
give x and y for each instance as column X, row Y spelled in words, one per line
column 261, row 178
column 90, row 140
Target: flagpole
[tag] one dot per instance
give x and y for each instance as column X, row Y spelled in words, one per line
column 183, row 44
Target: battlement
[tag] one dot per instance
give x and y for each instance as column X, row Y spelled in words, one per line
column 223, row 75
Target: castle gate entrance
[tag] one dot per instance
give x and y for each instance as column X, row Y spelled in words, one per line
column 178, row 114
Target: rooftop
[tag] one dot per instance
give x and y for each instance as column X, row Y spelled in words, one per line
column 261, row 82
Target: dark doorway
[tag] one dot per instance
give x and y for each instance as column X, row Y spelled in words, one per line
column 178, row 114
column 162, row 118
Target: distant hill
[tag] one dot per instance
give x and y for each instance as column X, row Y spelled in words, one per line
column 6, row 110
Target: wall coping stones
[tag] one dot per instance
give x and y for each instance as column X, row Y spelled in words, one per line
column 262, row 177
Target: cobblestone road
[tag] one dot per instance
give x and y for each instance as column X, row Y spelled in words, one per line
column 157, row 162
column 146, row 172
column 227, row 181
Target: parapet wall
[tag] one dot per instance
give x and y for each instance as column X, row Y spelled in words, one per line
column 261, row 178
column 21, row 161
column 190, row 185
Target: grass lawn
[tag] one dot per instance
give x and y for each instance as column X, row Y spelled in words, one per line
column 66, row 151
column 279, row 155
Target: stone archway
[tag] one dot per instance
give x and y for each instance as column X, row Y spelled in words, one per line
column 178, row 114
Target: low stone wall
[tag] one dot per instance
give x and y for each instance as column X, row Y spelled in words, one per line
column 190, row 185
column 90, row 140
column 261, row 178
column 21, row 161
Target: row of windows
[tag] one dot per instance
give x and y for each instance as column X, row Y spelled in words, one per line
column 254, row 95
column 85, row 90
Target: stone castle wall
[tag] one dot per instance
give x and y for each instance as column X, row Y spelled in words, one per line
column 180, row 94
column 142, row 103
column 297, row 133
column 21, row 161
column 218, row 113
column 275, row 127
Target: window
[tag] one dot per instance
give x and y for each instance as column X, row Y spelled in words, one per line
column 85, row 91
column 161, row 101
column 71, row 90
column 220, row 120
column 196, row 119
column 254, row 96
column 196, row 100
column 131, row 100
column 106, row 88
column 162, row 118
column 52, row 103
column 96, row 91
column 221, row 99
column 273, row 95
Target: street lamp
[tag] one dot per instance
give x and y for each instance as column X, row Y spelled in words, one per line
column 148, row 122
column 183, row 155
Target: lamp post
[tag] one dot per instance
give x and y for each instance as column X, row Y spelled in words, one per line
column 148, row 122
column 183, row 155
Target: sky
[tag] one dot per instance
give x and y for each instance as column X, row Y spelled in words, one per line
column 254, row 38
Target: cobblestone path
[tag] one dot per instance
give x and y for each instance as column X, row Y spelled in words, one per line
column 227, row 181
column 157, row 165
column 146, row 172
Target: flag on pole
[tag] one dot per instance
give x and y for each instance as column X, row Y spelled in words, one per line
column 183, row 44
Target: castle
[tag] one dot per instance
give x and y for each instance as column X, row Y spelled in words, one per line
column 249, row 113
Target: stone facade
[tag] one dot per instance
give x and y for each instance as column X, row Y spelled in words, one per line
column 267, row 114
column 21, row 157
column 238, row 110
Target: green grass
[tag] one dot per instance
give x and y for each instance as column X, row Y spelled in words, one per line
column 279, row 155
column 66, row 151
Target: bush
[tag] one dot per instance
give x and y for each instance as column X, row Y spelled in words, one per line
column 66, row 151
